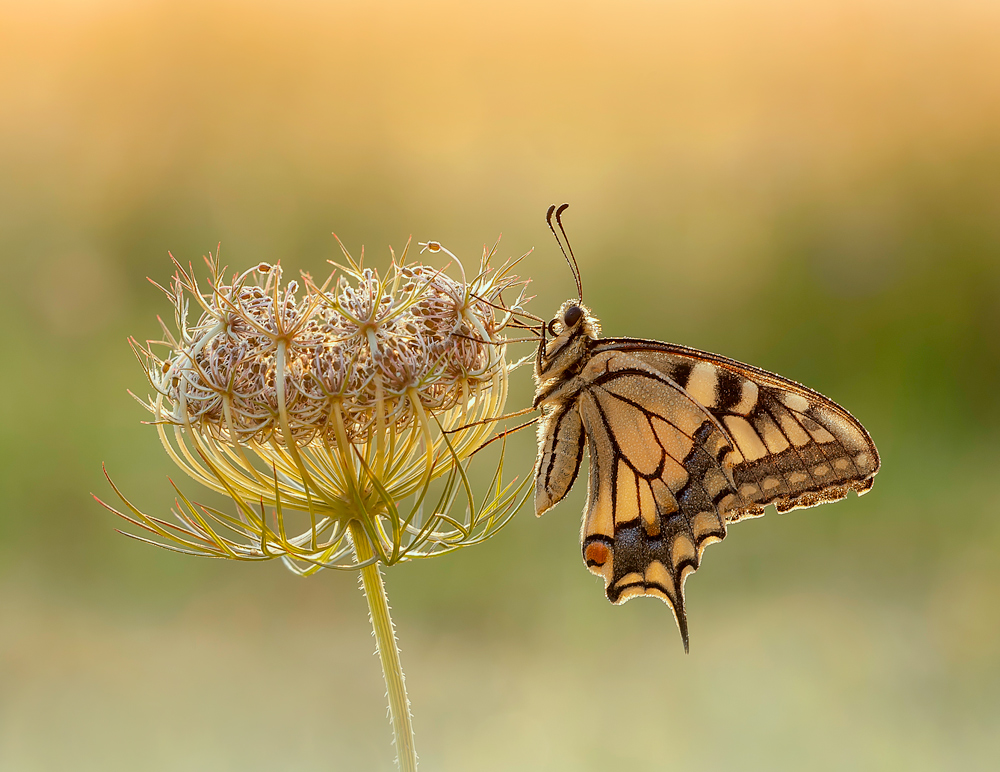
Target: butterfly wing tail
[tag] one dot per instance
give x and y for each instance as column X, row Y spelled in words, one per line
column 633, row 566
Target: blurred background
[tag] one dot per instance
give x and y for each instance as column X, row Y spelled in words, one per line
column 813, row 188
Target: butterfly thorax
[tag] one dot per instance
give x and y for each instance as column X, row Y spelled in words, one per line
column 564, row 356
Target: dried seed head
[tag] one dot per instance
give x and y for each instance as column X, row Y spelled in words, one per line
column 338, row 401
column 419, row 334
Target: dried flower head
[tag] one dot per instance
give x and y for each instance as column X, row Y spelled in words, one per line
column 313, row 407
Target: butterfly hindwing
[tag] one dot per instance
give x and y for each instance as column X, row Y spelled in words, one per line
column 658, row 481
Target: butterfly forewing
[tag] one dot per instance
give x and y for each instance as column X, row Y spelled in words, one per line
column 793, row 446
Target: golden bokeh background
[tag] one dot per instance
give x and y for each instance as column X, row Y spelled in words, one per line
column 811, row 187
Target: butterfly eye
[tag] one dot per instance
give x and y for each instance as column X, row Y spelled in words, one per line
column 572, row 315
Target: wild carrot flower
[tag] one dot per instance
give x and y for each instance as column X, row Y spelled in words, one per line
column 320, row 410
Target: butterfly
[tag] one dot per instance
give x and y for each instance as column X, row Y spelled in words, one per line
column 682, row 443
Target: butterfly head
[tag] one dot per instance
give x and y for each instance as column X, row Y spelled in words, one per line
column 572, row 319
column 567, row 337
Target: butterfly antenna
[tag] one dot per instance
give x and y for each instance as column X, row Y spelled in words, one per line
column 567, row 250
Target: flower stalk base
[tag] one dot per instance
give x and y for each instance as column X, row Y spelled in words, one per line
column 388, row 651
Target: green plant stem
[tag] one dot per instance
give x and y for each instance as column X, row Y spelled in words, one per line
column 388, row 652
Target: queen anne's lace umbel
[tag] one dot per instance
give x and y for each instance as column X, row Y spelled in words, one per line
column 337, row 401
column 363, row 346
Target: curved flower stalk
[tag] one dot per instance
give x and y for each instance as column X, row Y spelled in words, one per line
column 340, row 419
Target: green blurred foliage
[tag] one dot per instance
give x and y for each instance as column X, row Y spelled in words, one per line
column 813, row 189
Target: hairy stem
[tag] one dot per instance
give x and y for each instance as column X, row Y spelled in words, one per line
column 388, row 652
